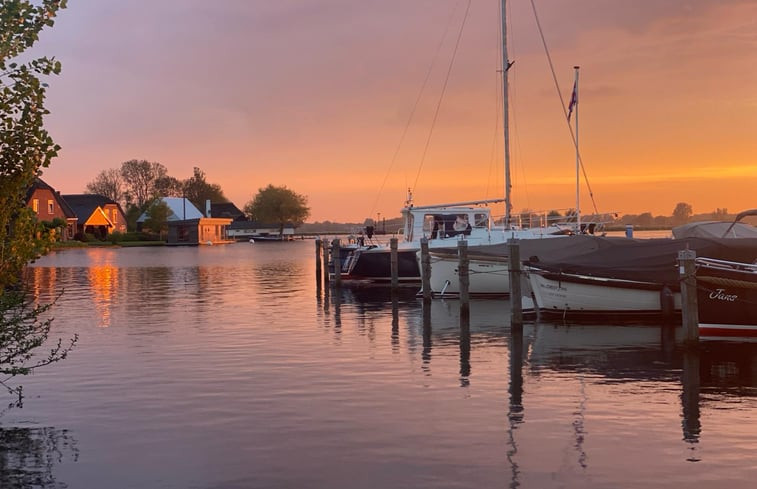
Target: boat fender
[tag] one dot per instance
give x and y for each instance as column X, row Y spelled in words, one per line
column 667, row 302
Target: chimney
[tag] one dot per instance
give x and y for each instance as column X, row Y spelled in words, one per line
column 207, row 208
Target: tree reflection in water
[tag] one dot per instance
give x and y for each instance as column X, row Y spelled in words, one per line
column 28, row 456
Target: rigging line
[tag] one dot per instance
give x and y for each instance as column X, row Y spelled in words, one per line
column 415, row 107
column 562, row 102
column 441, row 96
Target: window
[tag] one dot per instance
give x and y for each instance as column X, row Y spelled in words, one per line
column 481, row 220
column 35, row 205
column 51, row 207
column 115, row 216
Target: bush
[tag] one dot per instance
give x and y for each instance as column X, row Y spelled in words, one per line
column 115, row 237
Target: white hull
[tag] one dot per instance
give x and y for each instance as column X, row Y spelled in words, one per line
column 554, row 296
column 486, row 277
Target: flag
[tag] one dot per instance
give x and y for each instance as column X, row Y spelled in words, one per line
column 573, row 99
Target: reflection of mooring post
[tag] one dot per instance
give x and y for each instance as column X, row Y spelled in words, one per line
column 462, row 272
column 425, row 270
column 516, row 301
column 318, row 261
column 394, row 263
column 465, row 369
column 689, row 311
column 337, row 260
column 690, row 395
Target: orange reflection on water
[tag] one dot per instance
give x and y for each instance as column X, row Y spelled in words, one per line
column 104, row 283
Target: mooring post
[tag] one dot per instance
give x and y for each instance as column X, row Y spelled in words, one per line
column 318, row 260
column 425, row 270
column 394, row 263
column 516, row 299
column 337, row 260
column 462, row 272
column 325, row 247
column 689, row 309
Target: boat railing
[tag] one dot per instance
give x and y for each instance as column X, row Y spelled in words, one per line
column 714, row 263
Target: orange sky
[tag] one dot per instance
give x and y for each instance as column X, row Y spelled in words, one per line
column 315, row 95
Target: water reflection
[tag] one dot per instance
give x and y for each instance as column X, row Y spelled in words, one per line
column 28, row 456
column 277, row 386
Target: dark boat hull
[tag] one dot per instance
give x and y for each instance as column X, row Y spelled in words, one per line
column 727, row 301
column 375, row 266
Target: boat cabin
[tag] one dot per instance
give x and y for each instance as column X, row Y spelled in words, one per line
column 445, row 221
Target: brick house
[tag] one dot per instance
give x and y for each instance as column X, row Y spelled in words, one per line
column 48, row 204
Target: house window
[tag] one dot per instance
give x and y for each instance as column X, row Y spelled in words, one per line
column 115, row 216
column 51, row 207
column 35, row 205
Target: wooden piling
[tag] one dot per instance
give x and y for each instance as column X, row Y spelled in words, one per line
column 689, row 308
column 336, row 258
column 516, row 299
column 325, row 262
column 462, row 272
column 318, row 260
column 394, row 263
column 425, row 270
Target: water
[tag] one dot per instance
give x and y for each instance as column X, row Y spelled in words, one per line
column 226, row 367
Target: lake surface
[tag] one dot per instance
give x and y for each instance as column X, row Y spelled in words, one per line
column 227, row 367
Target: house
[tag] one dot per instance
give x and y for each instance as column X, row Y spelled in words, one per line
column 48, row 204
column 97, row 214
column 188, row 226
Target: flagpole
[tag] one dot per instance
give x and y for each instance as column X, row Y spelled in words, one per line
column 578, row 161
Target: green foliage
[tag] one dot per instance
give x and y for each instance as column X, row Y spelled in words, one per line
column 22, row 331
column 278, row 205
column 157, row 217
column 25, row 148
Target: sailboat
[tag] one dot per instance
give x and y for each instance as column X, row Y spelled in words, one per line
column 488, row 264
column 445, row 224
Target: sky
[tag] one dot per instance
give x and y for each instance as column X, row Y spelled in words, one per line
column 328, row 98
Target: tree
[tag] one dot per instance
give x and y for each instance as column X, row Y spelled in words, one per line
column 198, row 190
column 278, row 205
column 682, row 213
column 157, row 218
column 139, row 179
column 109, row 183
column 25, row 148
column 169, row 186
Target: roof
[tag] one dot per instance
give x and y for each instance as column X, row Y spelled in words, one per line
column 181, row 209
column 83, row 205
column 226, row 209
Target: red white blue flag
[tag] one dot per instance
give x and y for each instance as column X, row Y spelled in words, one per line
column 573, row 99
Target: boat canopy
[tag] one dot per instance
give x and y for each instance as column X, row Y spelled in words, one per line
column 715, row 229
column 647, row 260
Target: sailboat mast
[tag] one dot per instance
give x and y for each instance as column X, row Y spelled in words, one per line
column 578, row 159
column 506, row 116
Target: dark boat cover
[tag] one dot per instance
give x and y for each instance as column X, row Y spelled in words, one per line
column 644, row 260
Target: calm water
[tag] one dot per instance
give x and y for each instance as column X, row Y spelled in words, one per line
column 226, row 367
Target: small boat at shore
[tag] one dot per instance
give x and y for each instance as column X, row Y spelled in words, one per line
column 726, row 298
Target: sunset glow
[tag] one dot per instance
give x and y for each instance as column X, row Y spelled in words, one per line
column 316, row 95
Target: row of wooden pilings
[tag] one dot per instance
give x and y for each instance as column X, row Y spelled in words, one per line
column 686, row 260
